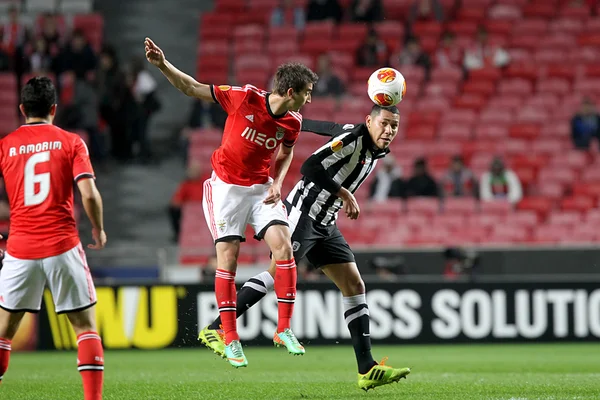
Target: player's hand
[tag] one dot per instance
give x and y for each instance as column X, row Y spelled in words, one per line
column 351, row 207
column 274, row 194
column 99, row 239
column 154, row 54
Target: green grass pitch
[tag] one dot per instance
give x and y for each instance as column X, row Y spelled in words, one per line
column 517, row 372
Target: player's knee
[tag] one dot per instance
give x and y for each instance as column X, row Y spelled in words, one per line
column 227, row 255
column 282, row 250
column 356, row 286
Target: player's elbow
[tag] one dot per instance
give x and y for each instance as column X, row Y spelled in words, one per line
column 88, row 190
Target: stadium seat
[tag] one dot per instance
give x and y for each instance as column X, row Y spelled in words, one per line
column 524, row 131
column 423, row 205
column 577, row 203
column 459, row 205
column 496, row 207
column 539, row 205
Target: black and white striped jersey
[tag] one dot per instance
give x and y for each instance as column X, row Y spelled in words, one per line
column 345, row 161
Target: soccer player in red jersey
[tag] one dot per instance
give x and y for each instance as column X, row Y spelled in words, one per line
column 40, row 163
column 241, row 191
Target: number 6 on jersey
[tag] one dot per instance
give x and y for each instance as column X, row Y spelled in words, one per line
column 31, row 178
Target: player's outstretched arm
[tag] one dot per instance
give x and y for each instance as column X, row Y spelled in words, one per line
column 323, row 128
column 182, row 81
column 92, row 203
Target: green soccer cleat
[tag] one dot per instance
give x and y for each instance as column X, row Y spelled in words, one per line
column 214, row 339
column 235, row 355
column 289, row 340
column 380, row 375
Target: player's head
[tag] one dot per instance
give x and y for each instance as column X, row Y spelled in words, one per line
column 38, row 99
column 382, row 123
column 294, row 82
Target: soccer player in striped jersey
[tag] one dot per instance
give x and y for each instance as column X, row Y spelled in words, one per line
column 330, row 177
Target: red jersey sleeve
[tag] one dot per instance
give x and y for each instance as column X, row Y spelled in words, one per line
column 82, row 166
column 291, row 136
column 229, row 97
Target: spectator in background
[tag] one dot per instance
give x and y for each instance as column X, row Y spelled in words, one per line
column 388, row 181
column 366, row 11
column 585, row 125
column 421, row 184
column 4, row 207
column 189, row 190
column 412, row 54
column 115, row 103
column 286, row 14
column 459, row 180
column 425, row 11
column 51, row 33
column 143, row 87
column 373, row 51
column 322, row 10
column 5, row 55
column 482, row 54
column 329, row 84
column 77, row 56
column 40, row 60
column 448, row 53
column 14, row 32
column 500, row 183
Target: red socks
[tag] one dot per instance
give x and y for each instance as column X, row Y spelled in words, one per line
column 90, row 363
column 285, row 289
column 226, row 296
column 4, row 356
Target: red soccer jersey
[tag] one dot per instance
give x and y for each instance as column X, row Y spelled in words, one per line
column 40, row 164
column 251, row 135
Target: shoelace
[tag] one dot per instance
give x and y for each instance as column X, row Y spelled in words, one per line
column 288, row 332
column 236, row 349
column 383, row 360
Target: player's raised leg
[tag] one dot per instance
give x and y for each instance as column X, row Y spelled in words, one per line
column 356, row 312
column 279, row 241
column 226, row 209
column 250, row 293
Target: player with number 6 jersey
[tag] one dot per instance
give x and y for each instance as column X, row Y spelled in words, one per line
column 241, row 191
column 40, row 163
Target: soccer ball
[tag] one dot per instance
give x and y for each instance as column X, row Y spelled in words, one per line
column 386, row 87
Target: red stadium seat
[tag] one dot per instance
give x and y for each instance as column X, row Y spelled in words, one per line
column 524, row 131
column 566, row 218
column 479, row 87
column 499, row 26
column 577, row 203
column 423, row 205
column 504, row 12
column 539, row 10
column 488, row 131
column 470, row 102
column 516, row 86
column 485, row 74
column 539, row 205
column 496, row 207
column 522, row 218
column 459, row 205
column 536, row 26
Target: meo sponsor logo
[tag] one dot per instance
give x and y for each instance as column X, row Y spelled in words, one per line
column 259, row 138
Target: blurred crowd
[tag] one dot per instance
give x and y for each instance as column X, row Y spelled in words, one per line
column 112, row 102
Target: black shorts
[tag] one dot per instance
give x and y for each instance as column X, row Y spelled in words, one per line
column 321, row 245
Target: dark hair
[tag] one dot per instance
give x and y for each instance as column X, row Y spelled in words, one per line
column 458, row 158
column 420, row 162
column 38, row 96
column 377, row 109
column 293, row 75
